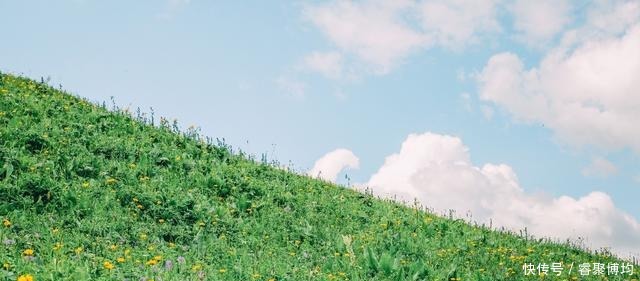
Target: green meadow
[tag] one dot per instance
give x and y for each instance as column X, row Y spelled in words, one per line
column 92, row 192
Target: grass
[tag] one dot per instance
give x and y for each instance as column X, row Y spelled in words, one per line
column 88, row 193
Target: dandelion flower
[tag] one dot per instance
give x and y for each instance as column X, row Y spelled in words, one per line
column 6, row 223
column 168, row 264
column 26, row 277
column 28, row 252
column 181, row 260
column 108, row 265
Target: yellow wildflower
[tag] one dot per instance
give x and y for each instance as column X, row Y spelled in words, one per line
column 6, row 223
column 26, row 277
column 28, row 252
column 108, row 265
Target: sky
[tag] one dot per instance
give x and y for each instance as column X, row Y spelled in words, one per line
column 519, row 113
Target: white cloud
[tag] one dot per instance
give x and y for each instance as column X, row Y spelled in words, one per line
column 604, row 19
column 328, row 64
column 437, row 171
column 612, row 17
column 381, row 34
column 373, row 30
column 455, row 23
column 540, row 21
column 295, row 88
column 331, row 164
column 599, row 167
column 588, row 95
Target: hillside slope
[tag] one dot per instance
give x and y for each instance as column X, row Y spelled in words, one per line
column 92, row 194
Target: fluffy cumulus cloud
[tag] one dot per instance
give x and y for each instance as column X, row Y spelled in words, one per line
column 589, row 95
column 611, row 16
column 381, row 34
column 374, row 31
column 437, row 171
column 540, row 21
column 600, row 167
column 331, row 164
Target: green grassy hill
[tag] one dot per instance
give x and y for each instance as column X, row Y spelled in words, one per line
column 88, row 193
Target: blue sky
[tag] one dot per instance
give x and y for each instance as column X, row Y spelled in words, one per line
column 299, row 80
